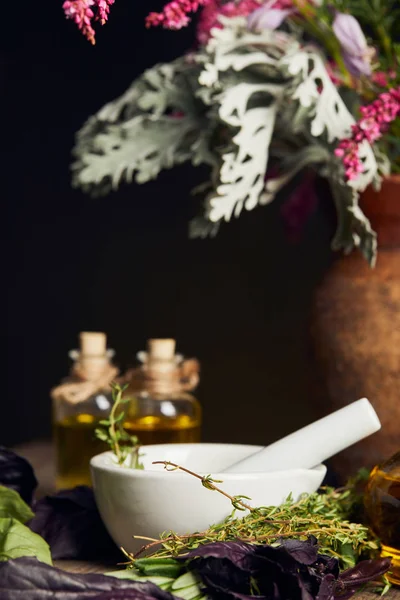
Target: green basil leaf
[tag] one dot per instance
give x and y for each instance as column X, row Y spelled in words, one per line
column 17, row 540
column 12, row 506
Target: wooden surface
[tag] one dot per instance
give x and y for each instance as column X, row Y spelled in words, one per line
column 80, row 566
column 41, row 456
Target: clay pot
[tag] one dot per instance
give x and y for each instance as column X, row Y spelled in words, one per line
column 356, row 332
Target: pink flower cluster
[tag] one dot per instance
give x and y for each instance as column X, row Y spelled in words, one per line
column 376, row 119
column 174, row 14
column 103, row 7
column 209, row 15
column 81, row 12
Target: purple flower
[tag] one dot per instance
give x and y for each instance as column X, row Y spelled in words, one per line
column 357, row 54
column 267, row 17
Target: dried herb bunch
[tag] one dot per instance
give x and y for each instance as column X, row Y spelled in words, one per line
column 324, row 515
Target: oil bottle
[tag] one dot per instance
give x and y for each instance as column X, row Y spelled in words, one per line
column 161, row 409
column 382, row 504
column 79, row 402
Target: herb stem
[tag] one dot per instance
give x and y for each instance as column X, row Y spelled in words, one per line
column 163, row 541
column 206, row 481
column 323, row 35
column 322, row 514
column 113, row 434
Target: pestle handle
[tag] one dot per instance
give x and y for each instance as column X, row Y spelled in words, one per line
column 314, row 443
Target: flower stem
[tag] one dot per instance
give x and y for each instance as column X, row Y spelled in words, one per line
column 385, row 40
column 325, row 35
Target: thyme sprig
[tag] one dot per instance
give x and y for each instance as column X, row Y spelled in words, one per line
column 324, row 515
column 208, row 483
column 112, row 432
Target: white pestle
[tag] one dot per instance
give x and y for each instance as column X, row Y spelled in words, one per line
column 314, row 443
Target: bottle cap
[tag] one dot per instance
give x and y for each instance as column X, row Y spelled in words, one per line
column 161, row 349
column 93, row 343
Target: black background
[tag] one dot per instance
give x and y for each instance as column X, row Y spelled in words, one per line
column 124, row 264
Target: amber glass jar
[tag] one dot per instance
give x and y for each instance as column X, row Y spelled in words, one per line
column 382, row 504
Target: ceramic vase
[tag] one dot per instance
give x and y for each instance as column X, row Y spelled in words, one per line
column 356, row 333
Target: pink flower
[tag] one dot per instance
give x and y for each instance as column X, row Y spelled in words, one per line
column 81, row 13
column 380, row 78
column 208, row 18
column 375, row 121
column 174, row 14
column 104, row 10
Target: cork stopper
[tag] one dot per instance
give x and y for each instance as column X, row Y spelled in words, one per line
column 163, row 371
column 93, row 343
column 161, row 349
column 93, row 357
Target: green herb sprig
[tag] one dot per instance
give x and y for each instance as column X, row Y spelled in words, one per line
column 208, row 483
column 112, row 432
column 324, row 515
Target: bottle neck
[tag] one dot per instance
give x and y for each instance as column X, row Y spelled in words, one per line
column 91, row 367
column 86, row 378
column 162, row 378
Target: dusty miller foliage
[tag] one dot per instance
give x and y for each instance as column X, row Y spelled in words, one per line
column 245, row 99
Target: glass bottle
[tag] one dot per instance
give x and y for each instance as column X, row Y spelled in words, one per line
column 161, row 409
column 79, row 402
column 382, row 505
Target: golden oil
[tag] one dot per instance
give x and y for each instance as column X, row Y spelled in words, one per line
column 382, row 504
column 160, row 409
column 79, row 403
column 76, row 444
column 76, row 441
column 161, row 430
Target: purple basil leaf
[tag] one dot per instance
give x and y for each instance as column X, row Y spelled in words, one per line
column 352, row 579
column 125, row 594
column 327, row 587
column 28, row 579
column 305, row 553
column 221, row 577
column 71, row 524
column 238, row 553
column 16, row 473
column 244, row 555
column 325, row 565
column 341, row 595
column 238, row 571
column 305, row 590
